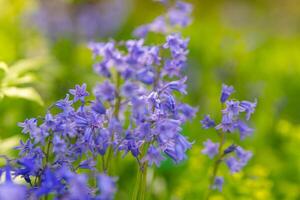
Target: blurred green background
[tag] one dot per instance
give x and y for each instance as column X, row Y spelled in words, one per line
column 252, row 45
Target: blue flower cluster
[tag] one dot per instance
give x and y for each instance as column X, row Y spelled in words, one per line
column 69, row 151
column 232, row 115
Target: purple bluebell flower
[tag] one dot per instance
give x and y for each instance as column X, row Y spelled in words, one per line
column 65, row 104
column 244, row 129
column 79, row 92
column 227, row 124
column 153, row 156
column 146, row 76
column 186, row 112
column 211, row 149
column 243, row 155
column 78, row 188
column 249, row 108
column 105, row 91
column 50, row 183
column 87, row 164
column 129, row 89
column 178, row 85
column 226, row 92
column 233, row 164
column 98, row 107
column 207, row 122
column 218, row 183
column 10, row 190
column 232, row 109
column 176, row 153
column 103, row 69
column 230, row 149
column 107, row 187
column 29, row 125
column 59, row 145
column 24, row 148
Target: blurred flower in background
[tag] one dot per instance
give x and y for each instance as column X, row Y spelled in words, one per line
column 85, row 20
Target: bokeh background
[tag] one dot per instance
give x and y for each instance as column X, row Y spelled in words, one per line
column 253, row 45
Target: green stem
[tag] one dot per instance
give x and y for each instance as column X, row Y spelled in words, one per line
column 144, row 181
column 216, row 165
column 139, row 192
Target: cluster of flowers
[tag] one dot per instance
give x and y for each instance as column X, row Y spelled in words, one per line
column 231, row 122
column 134, row 110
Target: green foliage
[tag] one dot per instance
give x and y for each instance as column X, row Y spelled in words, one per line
column 15, row 79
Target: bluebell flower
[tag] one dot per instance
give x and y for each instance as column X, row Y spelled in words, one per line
column 249, row 108
column 227, row 124
column 105, row 91
column 24, row 148
column 211, row 149
column 98, row 107
column 65, row 104
column 103, row 69
column 153, row 156
column 186, row 112
column 175, row 152
column 78, row 189
column 129, row 89
column 244, row 129
column 87, row 164
column 226, row 92
column 10, row 190
column 59, row 145
column 232, row 109
column 230, row 149
column 178, row 85
column 146, row 76
column 79, row 92
column 233, row 164
column 218, row 183
column 207, row 122
column 50, row 183
column 243, row 155
column 107, row 187
column 29, row 125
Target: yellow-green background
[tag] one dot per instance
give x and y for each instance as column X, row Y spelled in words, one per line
column 253, row 45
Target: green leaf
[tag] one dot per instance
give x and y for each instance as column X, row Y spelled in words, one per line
column 25, row 93
column 27, row 78
column 20, row 68
column 26, row 65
